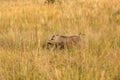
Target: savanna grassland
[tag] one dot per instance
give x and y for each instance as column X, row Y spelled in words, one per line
column 26, row 25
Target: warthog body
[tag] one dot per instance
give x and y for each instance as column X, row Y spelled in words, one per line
column 61, row 42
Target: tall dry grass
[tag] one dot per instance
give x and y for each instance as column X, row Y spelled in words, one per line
column 25, row 26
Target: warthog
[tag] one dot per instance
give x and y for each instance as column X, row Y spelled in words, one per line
column 52, row 1
column 61, row 42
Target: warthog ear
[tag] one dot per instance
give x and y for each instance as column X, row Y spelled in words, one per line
column 56, row 34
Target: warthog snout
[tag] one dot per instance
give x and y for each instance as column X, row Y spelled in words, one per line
column 50, row 44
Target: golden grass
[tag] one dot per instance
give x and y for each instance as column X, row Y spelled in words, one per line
column 26, row 25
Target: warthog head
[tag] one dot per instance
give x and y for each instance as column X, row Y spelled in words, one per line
column 55, row 42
